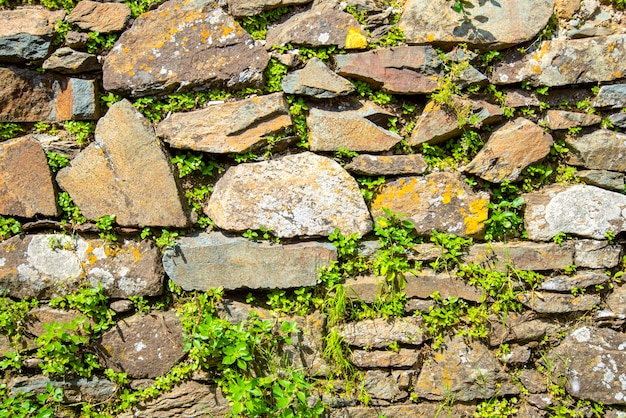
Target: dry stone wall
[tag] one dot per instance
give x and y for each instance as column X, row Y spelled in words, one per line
column 173, row 176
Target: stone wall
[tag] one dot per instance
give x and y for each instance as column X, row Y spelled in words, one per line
column 168, row 175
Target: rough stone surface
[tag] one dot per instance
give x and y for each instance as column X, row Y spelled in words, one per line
column 521, row 255
column 591, row 360
column 180, row 46
column 566, row 9
column 67, row 61
column 26, row 187
column 616, row 303
column 602, row 149
column 613, row 96
column 440, row 201
column 144, row 346
column 403, row 70
column 487, row 24
column 241, row 8
column 544, row 302
column 422, row 409
column 323, row 25
column 26, row 33
column 380, row 384
column 47, row 266
column 32, row 97
column 580, row 280
column 609, row 180
column 129, row 174
column 380, row 332
column 563, row 61
column 306, row 352
column 354, row 130
column 390, row 165
column 228, row 127
column 100, row 17
column 296, row 195
column 316, row 80
column 439, row 123
column 89, row 390
column 596, row 254
column 618, row 120
column 562, row 119
column 582, row 210
column 509, row 150
column 204, row 261
column 385, row 359
column 466, row 370
column 519, row 328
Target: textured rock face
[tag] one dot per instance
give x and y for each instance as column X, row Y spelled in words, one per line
column 558, row 303
column 100, row 17
column 486, row 24
column 561, row 61
column 316, row 80
column 206, row 261
column 561, row 119
column 144, row 346
column 587, row 211
column 591, row 359
column 93, row 389
column 440, row 201
column 26, row 187
column 404, row 70
column 31, row 97
column 602, row 149
column 297, row 195
column 130, row 176
column 379, row 333
column 68, row 61
column 47, row 266
column 180, row 46
column 611, row 96
column 509, row 150
column 521, row 255
column 375, row 165
column 26, row 34
column 240, row 8
column 228, row 127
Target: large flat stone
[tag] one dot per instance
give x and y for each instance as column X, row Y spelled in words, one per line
column 241, row 8
column 387, row 165
column 204, row 261
column 26, row 33
column 100, row 17
column 602, row 149
column 380, row 332
column 521, row 255
column 316, row 80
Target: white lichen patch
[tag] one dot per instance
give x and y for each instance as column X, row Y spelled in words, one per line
column 101, row 276
column 582, row 335
column 2, row 261
column 131, row 286
column 57, row 263
column 139, row 346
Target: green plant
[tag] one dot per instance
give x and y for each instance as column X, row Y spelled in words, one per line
column 91, row 302
column 28, row 404
column 138, row 7
column 393, row 37
column 141, row 304
column 301, row 301
column 156, row 109
column 10, row 130
column 297, row 109
column 81, row 131
column 369, row 186
column 585, row 105
column 245, row 157
column 105, row 226
column 71, row 212
column 377, row 96
column 609, row 235
column 9, row 227
column 504, row 219
column 452, row 249
column 257, row 25
column 497, row 408
column 274, row 73
column 166, row 239
column 99, row 42
column 198, row 163
column 57, row 161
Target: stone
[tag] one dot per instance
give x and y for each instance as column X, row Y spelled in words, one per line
column 29, row 96
column 463, row 371
column 380, row 384
column 180, row 46
column 421, row 409
column 324, row 24
column 616, row 303
column 296, row 195
column 188, row 399
column 566, row 61
column 442, row 201
column 579, row 280
column 521, row 255
column 562, row 119
column 544, row 302
column 533, row 381
column 521, row 98
column 50, row 265
column 204, row 261
column 243, row 8
column 602, row 149
column 75, row 390
column 144, row 346
column 36, row 319
column 402, row 69
column 613, row 96
column 316, row 80
column 426, row 282
column 352, row 129
column 387, row 165
column 100, row 17
column 518, row 356
column 404, row 357
column 591, row 361
column 233, row 127
column 439, row 123
column 596, row 254
column 618, row 119
column 26, row 186
column 122, row 306
column 76, row 40
column 582, row 210
column 67, row 61
column 509, row 150
column 486, row 24
column 26, row 33
column 129, row 174
column 306, row 351
column 609, row 180
column 566, row 9
column 380, row 332
column 589, row 31
column 519, row 328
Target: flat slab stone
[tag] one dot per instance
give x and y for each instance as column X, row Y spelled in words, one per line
column 296, row 195
column 587, row 211
column 180, row 46
column 521, row 255
column 486, row 24
column 562, row 119
column 205, row 261
column 596, row 254
column 26, row 186
column 402, row 70
column 129, row 174
column 228, row 127
column 385, row 359
column 602, row 149
column 26, row 33
column 350, row 129
column 560, row 62
column 242, row 8
column 442, row 201
column 609, row 180
column 75, row 390
column 520, row 328
column 555, row 303
column 50, row 265
column 580, row 280
column 387, row 165
column 67, row 61
column 100, row 17
column 29, row 96
column 316, row 80
column 380, row 332
column 613, row 95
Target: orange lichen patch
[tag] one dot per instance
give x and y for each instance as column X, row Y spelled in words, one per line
column 536, row 69
column 474, row 222
column 543, row 49
column 431, row 107
column 355, row 39
column 617, row 74
column 399, row 194
column 135, row 253
column 610, row 47
column 430, row 37
column 449, row 193
column 111, row 250
column 226, row 30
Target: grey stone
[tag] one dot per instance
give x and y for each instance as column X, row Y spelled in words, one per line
column 204, row 261
column 67, row 61
column 613, row 95
column 130, row 175
column 579, row 280
column 618, row 119
column 316, row 80
column 533, row 380
column 596, row 254
column 615, row 304
column 561, row 119
column 422, row 409
column 380, row 332
column 26, row 33
column 544, row 302
column 517, row 356
column 602, row 149
column 297, row 195
column 609, row 180
column 242, row 8
column 385, row 359
column 521, row 255
column 75, row 390
column 100, row 17
column 520, row 328
column 381, row 385
column 387, row 165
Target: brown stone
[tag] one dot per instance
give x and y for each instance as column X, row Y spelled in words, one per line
column 316, row 80
column 600, row 150
column 387, row 165
column 380, row 332
column 26, row 187
column 544, row 302
column 26, row 33
column 596, row 254
column 422, row 409
column 566, row 9
column 561, row 119
column 385, row 359
column 100, row 17
column 521, row 255
column 519, row 328
column 68, row 61
column 242, row 8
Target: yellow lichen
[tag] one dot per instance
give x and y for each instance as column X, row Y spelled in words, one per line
column 430, row 37
column 479, row 212
column 355, row 39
